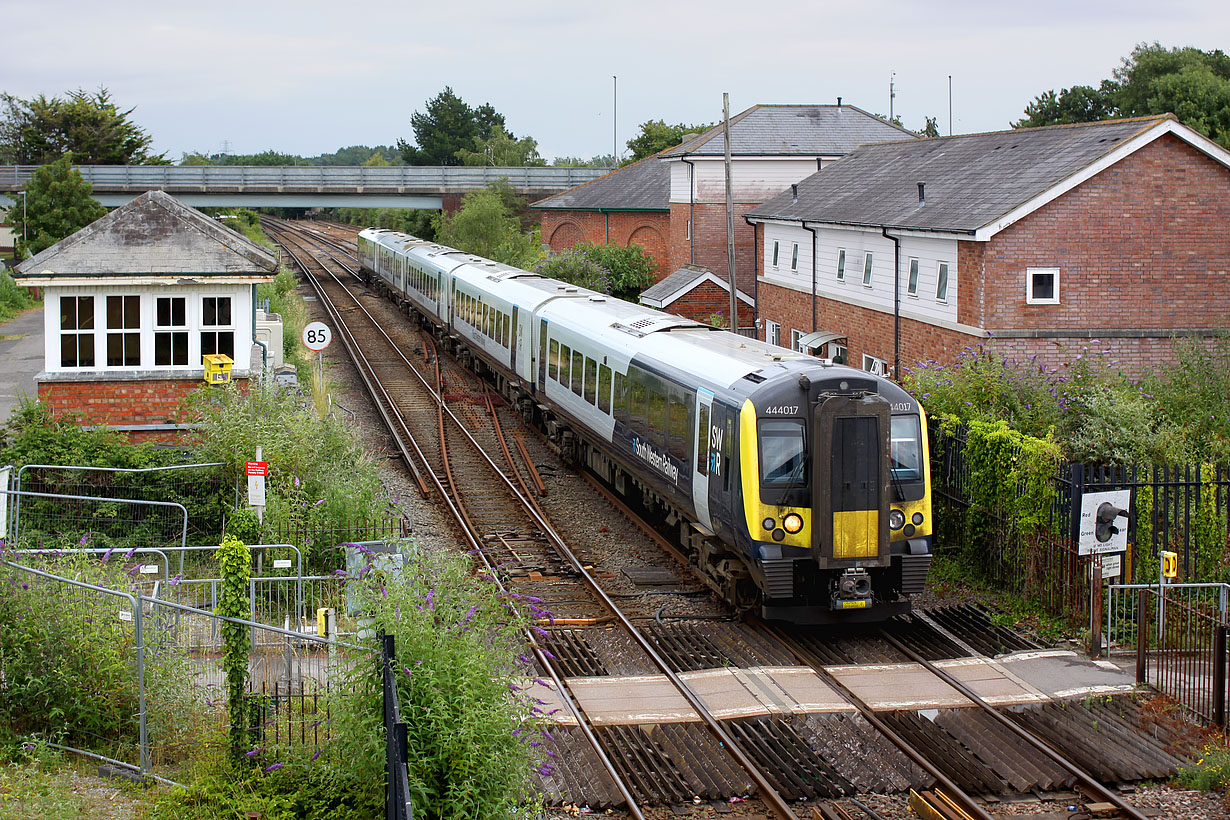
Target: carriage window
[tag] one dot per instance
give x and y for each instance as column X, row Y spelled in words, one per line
column 604, row 389
column 905, row 454
column 591, row 380
column 578, row 368
column 553, row 360
column 507, row 340
column 657, row 418
column 621, row 398
column 637, row 406
column 565, row 362
column 783, row 459
column 679, row 432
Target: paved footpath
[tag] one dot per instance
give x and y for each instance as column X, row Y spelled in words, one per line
column 21, row 359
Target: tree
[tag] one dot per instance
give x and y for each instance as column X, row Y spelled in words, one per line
column 486, row 226
column 657, row 136
column 597, row 161
column 58, row 203
column 631, row 269
column 41, row 130
column 502, row 149
column 1080, row 103
column 448, row 126
column 1193, row 85
column 576, row 268
column 376, row 160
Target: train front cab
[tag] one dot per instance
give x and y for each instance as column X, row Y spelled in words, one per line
column 849, row 534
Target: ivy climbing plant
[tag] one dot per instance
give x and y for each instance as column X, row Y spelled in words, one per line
column 235, row 564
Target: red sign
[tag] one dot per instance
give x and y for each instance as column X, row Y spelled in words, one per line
column 260, row 468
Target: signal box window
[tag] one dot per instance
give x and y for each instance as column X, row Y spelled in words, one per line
column 171, row 331
column 1042, row 286
column 215, row 315
column 76, row 331
column 123, row 331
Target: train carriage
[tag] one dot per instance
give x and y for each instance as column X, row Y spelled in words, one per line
column 798, row 486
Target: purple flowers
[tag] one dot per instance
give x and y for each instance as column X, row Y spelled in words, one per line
column 273, row 768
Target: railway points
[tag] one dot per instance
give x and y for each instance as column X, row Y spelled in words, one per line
column 789, row 722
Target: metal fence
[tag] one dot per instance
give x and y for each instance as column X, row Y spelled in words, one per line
column 315, row 177
column 169, row 694
column 1177, row 633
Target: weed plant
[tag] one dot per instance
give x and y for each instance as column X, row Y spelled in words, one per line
column 69, row 657
column 1210, row 772
column 14, row 299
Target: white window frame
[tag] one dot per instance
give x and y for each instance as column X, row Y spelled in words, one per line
column 868, row 268
column 1030, row 299
column 122, row 331
column 78, row 332
column 171, row 330
column 943, row 272
column 794, row 257
column 876, row 366
column 772, row 332
column 838, row 353
column 217, row 329
column 911, row 288
column 841, row 264
column 776, row 252
column 796, row 343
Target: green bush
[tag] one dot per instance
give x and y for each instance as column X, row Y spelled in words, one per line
column 70, row 660
column 576, row 268
column 319, row 479
column 13, row 297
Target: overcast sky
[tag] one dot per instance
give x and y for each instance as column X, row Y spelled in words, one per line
column 309, row 77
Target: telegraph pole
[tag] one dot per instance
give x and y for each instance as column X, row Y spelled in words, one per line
column 730, row 219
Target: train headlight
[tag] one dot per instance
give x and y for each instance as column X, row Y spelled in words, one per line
column 792, row 523
column 769, row 524
column 896, row 519
column 917, row 518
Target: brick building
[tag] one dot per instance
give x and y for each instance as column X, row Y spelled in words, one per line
column 674, row 203
column 1037, row 242
column 133, row 302
column 697, row 293
column 630, row 206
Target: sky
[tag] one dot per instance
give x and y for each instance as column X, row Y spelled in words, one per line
column 310, row 77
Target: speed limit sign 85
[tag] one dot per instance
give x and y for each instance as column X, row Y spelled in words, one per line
column 316, row 336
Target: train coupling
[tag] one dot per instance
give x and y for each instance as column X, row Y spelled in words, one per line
column 852, row 590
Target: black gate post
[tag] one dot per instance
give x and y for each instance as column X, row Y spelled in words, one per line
column 1142, row 635
column 1219, row 676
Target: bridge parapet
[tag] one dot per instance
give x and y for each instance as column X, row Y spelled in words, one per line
column 335, row 179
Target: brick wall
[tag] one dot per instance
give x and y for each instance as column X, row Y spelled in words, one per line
column 649, row 229
column 1141, row 246
column 706, row 299
column 710, row 240
column 128, row 402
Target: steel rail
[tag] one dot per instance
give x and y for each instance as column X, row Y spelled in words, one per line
column 1088, row 780
column 767, row 791
column 358, row 357
column 469, row 536
column 950, row 787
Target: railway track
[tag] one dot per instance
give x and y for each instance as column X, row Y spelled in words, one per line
column 783, row 757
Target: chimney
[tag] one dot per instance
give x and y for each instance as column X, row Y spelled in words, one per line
column 839, row 102
column 922, row 196
column 794, row 193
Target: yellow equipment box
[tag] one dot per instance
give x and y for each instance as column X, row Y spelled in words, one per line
column 217, row 368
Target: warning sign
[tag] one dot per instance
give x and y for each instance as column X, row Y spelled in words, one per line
column 260, row 468
column 1104, row 522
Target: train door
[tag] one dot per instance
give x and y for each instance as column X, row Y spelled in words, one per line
column 850, row 492
column 542, row 355
column 705, row 432
column 721, row 465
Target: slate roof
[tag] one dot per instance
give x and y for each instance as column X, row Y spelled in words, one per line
column 153, row 235
column 641, row 186
column 793, row 130
column 671, row 287
column 970, row 180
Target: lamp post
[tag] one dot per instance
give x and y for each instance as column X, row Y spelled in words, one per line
column 23, row 218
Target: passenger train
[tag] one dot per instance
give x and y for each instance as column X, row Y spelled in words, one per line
column 799, row 487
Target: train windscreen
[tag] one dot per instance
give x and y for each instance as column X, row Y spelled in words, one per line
column 906, row 449
column 783, row 459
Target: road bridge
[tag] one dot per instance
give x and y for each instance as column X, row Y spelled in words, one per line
column 309, row 186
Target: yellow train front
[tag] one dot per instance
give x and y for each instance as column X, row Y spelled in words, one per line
column 835, row 500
